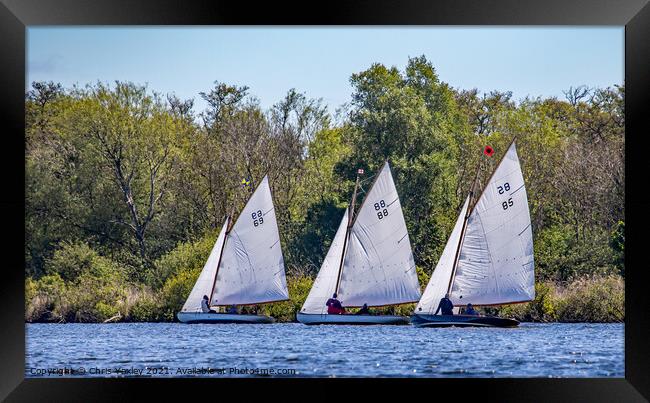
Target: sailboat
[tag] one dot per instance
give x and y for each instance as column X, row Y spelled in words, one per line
column 245, row 267
column 370, row 261
column 488, row 258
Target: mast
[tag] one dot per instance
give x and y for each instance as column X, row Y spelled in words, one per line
column 462, row 232
column 225, row 239
column 347, row 230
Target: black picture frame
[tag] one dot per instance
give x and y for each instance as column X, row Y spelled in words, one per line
column 16, row 15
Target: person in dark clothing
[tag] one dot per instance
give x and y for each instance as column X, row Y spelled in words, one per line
column 205, row 308
column 364, row 310
column 470, row 310
column 233, row 309
column 334, row 306
column 446, row 306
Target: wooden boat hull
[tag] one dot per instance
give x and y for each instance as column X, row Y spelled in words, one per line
column 200, row 317
column 461, row 321
column 326, row 319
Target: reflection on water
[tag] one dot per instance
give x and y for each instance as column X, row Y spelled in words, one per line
column 173, row 349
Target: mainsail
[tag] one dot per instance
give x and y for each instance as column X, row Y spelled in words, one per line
column 495, row 260
column 325, row 283
column 252, row 266
column 203, row 285
column 495, row 265
column 378, row 267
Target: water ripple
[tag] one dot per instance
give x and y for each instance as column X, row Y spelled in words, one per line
column 532, row 350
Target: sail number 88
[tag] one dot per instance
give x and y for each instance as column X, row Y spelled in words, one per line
column 381, row 210
column 257, row 218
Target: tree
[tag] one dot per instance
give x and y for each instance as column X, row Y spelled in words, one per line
column 132, row 137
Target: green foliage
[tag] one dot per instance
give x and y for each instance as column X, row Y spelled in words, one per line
column 146, row 308
column 187, row 256
column 286, row 311
column 73, row 259
column 409, row 119
column 560, row 255
column 587, row 299
column 48, row 295
column 600, row 299
column 617, row 243
column 125, row 190
column 175, row 291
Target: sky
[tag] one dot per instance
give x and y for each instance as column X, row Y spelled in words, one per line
column 529, row 61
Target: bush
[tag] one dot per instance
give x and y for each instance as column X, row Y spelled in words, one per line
column 541, row 309
column 561, row 256
column 95, row 299
column 145, row 309
column 187, row 256
column 286, row 311
column 175, row 291
column 599, row 299
column 588, row 299
column 44, row 298
column 72, row 260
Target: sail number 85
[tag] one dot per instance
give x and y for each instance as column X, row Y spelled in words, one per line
column 258, row 218
column 381, row 210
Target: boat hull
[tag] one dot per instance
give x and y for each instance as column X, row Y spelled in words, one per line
column 461, row 321
column 326, row 319
column 200, row 317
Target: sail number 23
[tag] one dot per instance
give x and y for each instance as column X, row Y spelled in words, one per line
column 258, row 218
column 504, row 188
column 381, row 210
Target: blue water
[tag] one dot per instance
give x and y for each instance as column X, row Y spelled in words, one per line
column 173, row 349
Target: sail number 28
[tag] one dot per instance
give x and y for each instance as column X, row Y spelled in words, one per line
column 381, row 210
column 258, row 218
column 505, row 188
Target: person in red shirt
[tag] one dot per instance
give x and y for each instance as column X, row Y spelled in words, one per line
column 334, row 306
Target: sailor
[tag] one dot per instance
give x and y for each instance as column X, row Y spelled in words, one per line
column 205, row 308
column 470, row 310
column 334, row 306
column 446, row 306
column 233, row 309
column 364, row 310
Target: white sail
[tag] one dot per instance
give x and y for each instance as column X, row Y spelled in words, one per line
column 252, row 266
column 203, row 285
column 439, row 281
column 325, row 283
column 495, row 264
column 379, row 268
